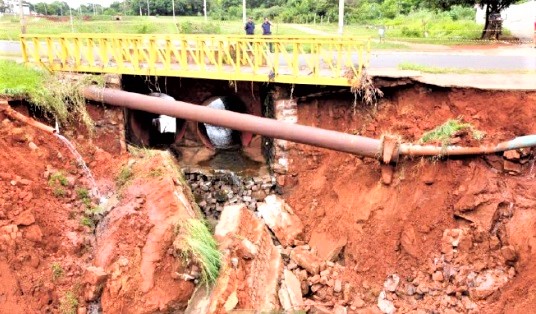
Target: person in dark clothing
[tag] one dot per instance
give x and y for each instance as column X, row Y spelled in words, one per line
column 250, row 27
column 266, row 30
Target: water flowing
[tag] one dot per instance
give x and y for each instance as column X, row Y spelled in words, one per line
column 93, row 184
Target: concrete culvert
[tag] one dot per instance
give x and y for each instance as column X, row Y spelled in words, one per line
column 153, row 130
column 220, row 137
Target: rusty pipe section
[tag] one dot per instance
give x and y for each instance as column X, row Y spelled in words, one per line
column 430, row 150
column 339, row 141
column 8, row 111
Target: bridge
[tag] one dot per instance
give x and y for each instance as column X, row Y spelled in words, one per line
column 317, row 60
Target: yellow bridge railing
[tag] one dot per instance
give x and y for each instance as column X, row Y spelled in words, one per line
column 314, row 60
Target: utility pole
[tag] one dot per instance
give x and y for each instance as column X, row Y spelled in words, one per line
column 71, row 16
column 173, row 6
column 22, row 21
column 205, row 9
column 341, row 16
column 244, row 11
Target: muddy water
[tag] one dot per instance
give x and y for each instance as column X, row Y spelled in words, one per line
column 233, row 160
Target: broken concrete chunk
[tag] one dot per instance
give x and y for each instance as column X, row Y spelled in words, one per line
column 385, row 305
column 228, row 224
column 486, row 283
column 327, row 247
column 306, row 259
column 280, row 219
column 247, row 250
column 284, row 298
column 512, row 155
column 391, row 283
column 292, row 283
column 512, row 167
column 231, row 302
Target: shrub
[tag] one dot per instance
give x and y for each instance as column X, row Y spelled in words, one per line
column 198, row 28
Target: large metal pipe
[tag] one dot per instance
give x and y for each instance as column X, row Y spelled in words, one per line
column 430, row 150
column 339, row 141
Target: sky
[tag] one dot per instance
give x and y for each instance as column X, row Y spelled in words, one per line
column 76, row 3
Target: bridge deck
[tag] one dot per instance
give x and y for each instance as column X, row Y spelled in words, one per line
column 296, row 60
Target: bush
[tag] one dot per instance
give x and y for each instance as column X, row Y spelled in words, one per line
column 146, row 29
column 198, row 28
column 459, row 12
column 411, row 32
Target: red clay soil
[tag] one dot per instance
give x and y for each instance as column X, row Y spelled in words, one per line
column 44, row 248
column 398, row 228
column 50, row 262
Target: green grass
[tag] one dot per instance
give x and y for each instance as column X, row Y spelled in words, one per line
column 124, row 176
column 133, row 25
column 17, row 80
column 198, row 245
column 69, row 303
column 58, row 178
column 57, row 271
column 63, row 100
column 58, row 182
column 447, row 70
column 88, row 222
column 447, row 130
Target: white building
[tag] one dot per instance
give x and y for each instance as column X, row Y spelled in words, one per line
column 518, row 18
column 13, row 7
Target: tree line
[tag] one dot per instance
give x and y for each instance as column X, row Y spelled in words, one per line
column 292, row 11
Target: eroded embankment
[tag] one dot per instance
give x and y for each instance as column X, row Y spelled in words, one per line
column 63, row 251
column 458, row 233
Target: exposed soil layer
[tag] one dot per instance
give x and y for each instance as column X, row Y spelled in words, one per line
column 399, row 228
column 45, row 250
column 53, row 259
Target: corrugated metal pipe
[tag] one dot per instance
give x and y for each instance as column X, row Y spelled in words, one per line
column 387, row 149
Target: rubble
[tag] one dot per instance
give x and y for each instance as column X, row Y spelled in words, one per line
column 280, row 218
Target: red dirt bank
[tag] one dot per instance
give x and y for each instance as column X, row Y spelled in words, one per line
column 399, row 228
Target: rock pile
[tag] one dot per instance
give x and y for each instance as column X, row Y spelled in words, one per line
column 473, row 265
column 213, row 191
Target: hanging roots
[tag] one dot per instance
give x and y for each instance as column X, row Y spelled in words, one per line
column 363, row 86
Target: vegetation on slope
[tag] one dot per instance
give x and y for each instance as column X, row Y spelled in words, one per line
column 57, row 97
column 196, row 244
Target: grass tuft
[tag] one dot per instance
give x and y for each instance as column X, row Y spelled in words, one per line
column 88, row 222
column 57, row 271
column 447, row 130
column 198, row 245
column 69, row 303
column 124, row 176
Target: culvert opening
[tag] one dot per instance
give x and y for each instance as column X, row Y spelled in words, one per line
column 221, row 138
column 153, row 130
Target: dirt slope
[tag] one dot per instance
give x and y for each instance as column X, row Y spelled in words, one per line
column 400, row 228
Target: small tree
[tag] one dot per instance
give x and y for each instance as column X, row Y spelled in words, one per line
column 493, row 8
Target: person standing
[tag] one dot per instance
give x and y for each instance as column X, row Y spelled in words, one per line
column 266, row 30
column 250, row 27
